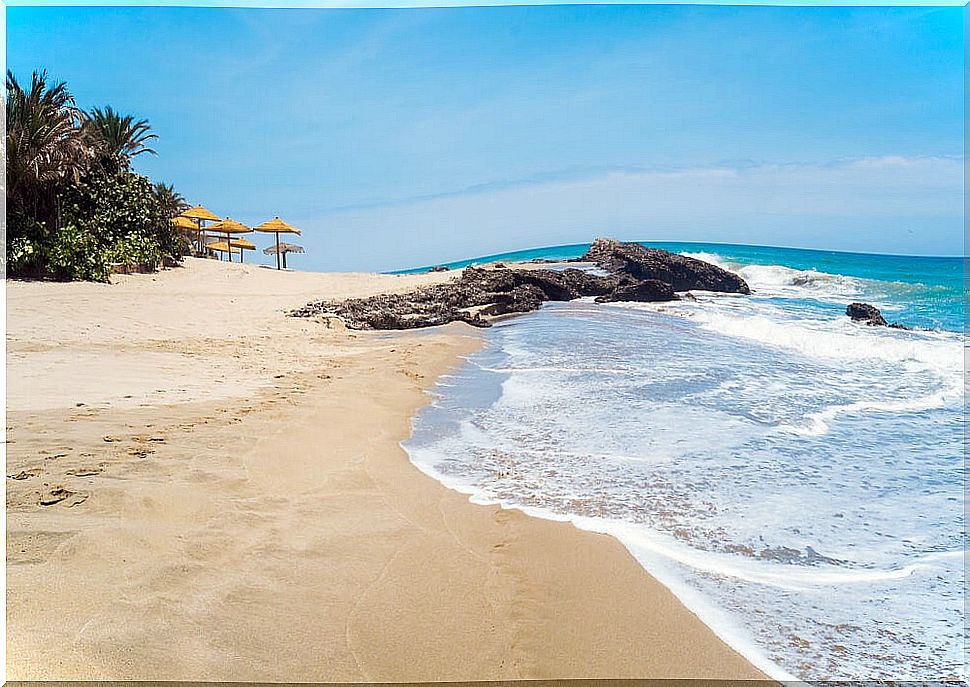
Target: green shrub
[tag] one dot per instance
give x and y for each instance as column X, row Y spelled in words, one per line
column 75, row 254
column 24, row 257
column 135, row 250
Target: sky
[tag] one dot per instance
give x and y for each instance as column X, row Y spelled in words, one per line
column 398, row 138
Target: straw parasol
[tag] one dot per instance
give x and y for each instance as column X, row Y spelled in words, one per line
column 229, row 226
column 277, row 226
column 221, row 247
column 283, row 249
column 240, row 244
column 185, row 223
column 199, row 214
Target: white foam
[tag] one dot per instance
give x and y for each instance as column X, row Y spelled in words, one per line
column 778, row 280
column 817, row 423
column 629, row 441
column 841, row 340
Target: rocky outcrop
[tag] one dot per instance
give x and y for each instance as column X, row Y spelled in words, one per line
column 870, row 315
column 681, row 272
column 646, row 291
column 478, row 295
column 474, row 297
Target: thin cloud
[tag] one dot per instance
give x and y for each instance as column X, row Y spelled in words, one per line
column 872, row 200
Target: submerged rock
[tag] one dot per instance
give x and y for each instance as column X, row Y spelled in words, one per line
column 863, row 312
column 681, row 272
column 870, row 315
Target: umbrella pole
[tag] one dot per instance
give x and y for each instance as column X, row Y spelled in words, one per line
column 229, row 246
column 284, row 261
column 277, row 249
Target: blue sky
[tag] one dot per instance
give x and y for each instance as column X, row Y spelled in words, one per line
column 398, row 138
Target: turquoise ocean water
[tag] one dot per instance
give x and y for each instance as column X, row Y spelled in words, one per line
column 797, row 479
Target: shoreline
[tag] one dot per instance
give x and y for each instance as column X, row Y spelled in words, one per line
column 263, row 522
column 713, row 618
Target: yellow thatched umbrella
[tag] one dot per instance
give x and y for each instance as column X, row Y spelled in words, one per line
column 221, row 247
column 185, row 223
column 228, row 226
column 199, row 214
column 237, row 245
column 189, row 228
column 277, row 226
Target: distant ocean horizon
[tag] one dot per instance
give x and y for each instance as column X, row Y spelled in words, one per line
column 794, row 477
column 567, row 251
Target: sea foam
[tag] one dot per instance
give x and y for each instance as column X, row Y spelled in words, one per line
column 794, row 477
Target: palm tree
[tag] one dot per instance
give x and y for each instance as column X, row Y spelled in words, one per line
column 44, row 143
column 120, row 137
column 171, row 200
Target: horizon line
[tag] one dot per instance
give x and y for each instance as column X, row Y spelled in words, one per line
column 443, row 4
column 473, row 260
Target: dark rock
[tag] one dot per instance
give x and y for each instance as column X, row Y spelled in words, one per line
column 555, row 286
column 587, row 284
column 439, row 268
column 646, row 291
column 479, row 294
column 500, row 266
column 869, row 314
column 524, row 298
column 681, row 272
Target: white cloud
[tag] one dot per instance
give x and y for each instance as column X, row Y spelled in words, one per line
column 882, row 204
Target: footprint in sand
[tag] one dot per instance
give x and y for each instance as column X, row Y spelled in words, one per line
column 55, row 495
column 26, row 474
column 59, row 494
column 110, row 439
column 84, row 472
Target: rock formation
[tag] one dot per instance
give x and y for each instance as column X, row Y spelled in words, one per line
column 870, row 315
column 681, row 272
column 478, row 295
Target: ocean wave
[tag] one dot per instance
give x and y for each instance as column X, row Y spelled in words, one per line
column 783, row 576
column 545, row 369
column 778, row 280
column 817, row 424
column 836, row 340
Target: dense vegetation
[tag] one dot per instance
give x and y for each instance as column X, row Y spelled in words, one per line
column 74, row 205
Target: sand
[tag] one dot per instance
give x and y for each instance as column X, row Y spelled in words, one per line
column 227, row 500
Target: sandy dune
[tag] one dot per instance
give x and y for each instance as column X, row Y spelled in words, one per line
column 227, row 500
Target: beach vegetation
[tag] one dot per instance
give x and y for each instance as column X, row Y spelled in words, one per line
column 74, row 204
column 171, row 200
column 118, row 137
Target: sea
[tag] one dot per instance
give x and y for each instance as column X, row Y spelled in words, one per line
column 795, row 478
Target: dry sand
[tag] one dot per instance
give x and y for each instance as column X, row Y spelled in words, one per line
column 236, row 505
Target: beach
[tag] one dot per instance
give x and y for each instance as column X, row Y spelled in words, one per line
column 228, row 500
